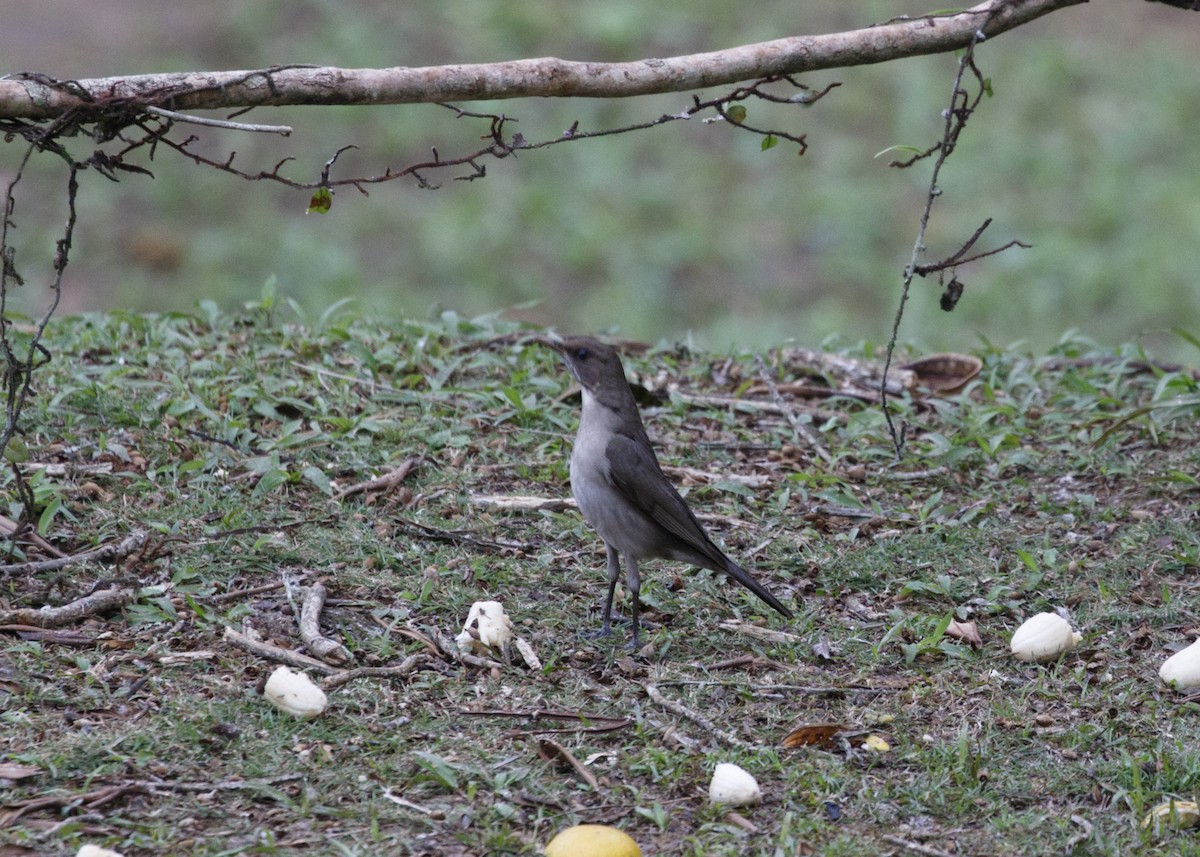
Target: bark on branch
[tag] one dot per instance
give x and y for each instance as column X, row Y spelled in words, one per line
column 37, row 97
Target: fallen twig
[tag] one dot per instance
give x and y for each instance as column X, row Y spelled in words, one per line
column 700, row 720
column 802, row 432
column 927, row 850
column 330, row 651
column 107, row 794
column 277, row 654
column 610, row 724
column 13, row 530
column 53, row 617
column 405, row 668
column 111, row 552
column 552, row 751
column 385, row 482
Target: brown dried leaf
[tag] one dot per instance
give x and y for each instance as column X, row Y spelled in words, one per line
column 13, row 771
column 813, row 735
column 968, row 632
column 945, row 373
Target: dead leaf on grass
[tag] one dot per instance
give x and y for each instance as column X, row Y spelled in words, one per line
column 13, row 771
column 968, row 632
column 945, row 373
column 813, row 735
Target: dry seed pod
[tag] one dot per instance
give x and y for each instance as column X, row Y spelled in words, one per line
column 295, row 693
column 1182, row 670
column 1044, row 637
column 734, row 786
column 592, row 840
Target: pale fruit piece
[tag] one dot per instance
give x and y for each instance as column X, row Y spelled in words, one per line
column 1044, row 637
column 592, row 840
column 1182, row 670
column 876, row 744
column 487, row 627
column 1176, row 814
column 96, row 851
column 734, row 786
column 295, row 693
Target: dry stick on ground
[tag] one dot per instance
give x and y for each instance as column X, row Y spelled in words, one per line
column 277, row 654
column 611, row 724
column 330, row 651
column 385, row 482
column 53, row 617
column 700, row 720
column 552, row 751
column 13, row 530
column 803, row 433
column 131, row 544
column 927, row 850
column 102, row 796
column 401, row 670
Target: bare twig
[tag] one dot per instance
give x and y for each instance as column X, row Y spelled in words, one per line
column 700, row 720
column 275, row 653
column 551, row 751
column 927, row 850
column 53, row 617
column 131, row 544
column 330, row 651
column 803, row 433
column 281, row 130
column 401, row 670
column 384, row 482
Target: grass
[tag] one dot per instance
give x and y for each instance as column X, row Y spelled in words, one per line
column 1066, row 479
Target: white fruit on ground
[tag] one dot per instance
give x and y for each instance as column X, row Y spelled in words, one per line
column 734, row 786
column 96, row 851
column 295, row 693
column 487, row 627
column 1182, row 670
column 1044, row 637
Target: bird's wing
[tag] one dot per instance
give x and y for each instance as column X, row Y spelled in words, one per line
column 634, row 471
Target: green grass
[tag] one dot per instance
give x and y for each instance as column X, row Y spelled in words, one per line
column 1064, row 479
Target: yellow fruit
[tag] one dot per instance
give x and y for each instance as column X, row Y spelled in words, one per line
column 592, row 840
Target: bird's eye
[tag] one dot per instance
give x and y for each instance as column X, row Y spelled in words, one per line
column 582, row 354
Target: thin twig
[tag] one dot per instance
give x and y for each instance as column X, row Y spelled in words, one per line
column 281, row 130
column 330, row 651
column 927, row 850
column 53, row 617
column 275, row 653
column 700, row 720
column 401, row 670
column 802, row 432
column 385, row 482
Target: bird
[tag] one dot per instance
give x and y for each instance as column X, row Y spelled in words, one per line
column 621, row 489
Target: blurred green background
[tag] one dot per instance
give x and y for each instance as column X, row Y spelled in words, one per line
column 687, row 230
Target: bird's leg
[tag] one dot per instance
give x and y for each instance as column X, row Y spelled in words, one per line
column 614, row 572
column 634, row 580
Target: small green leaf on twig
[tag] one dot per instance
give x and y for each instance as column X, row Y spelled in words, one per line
column 321, row 202
column 736, row 114
column 769, row 142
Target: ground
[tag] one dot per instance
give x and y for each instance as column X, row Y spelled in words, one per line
column 1059, row 482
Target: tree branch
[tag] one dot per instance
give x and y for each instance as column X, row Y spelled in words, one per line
column 33, row 96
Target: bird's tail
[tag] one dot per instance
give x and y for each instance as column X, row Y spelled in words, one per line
column 736, row 572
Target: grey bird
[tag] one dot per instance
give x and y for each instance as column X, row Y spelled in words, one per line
column 621, row 489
